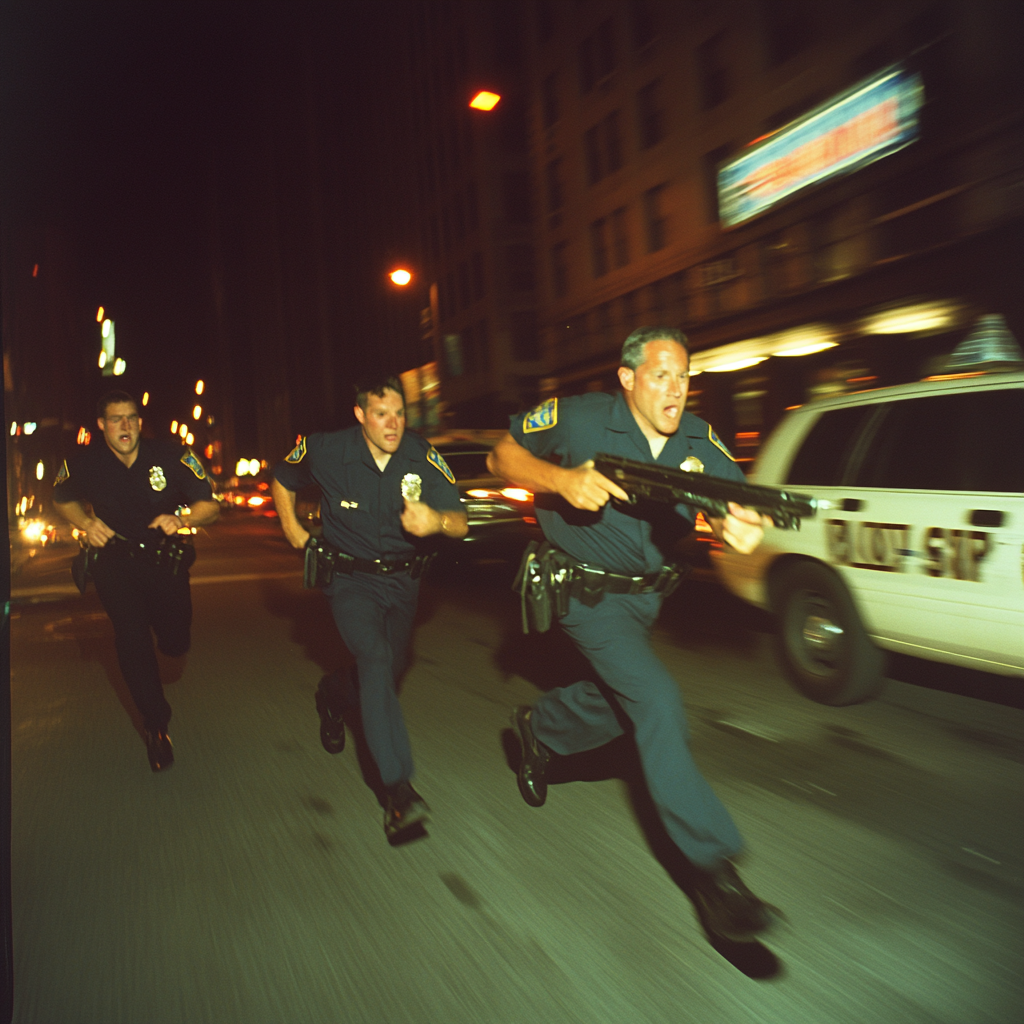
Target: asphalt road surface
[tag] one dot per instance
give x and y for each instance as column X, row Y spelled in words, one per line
column 252, row 882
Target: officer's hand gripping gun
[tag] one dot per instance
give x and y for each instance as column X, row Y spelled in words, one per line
column 708, row 494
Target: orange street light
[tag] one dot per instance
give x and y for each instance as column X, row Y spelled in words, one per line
column 485, row 100
column 400, row 277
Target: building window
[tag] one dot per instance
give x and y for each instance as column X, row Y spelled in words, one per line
column 516, row 187
column 711, row 162
column 620, row 237
column 712, row 74
column 521, row 273
column 602, row 146
column 483, row 345
column 654, row 218
column 592, row 153
column 650, row 114
column 553, row 181
column 525, row 340
column 477, row 269
column 788, row 29
column 559, row 270
column 642, row 22
column 549, row 100
column 612, row 142
column 545, row 20
column 599, row 247
column 597, row 56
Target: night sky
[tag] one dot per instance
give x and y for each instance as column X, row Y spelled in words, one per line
column 157, row 154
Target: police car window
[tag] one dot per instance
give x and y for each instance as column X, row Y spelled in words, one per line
column 973, row 441
column 467, row 465
column 828, row 446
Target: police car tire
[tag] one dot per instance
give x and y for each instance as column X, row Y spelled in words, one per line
column 823, row 646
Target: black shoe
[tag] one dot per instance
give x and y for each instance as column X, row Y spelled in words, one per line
column 533, row 764
column 159, row 749
column 405, row 808
column 332, row 723
column 728, row 909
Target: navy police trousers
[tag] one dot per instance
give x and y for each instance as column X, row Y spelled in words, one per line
column 615, row 636
column 374, row 615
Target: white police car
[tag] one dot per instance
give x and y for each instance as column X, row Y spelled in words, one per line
column 921, row 548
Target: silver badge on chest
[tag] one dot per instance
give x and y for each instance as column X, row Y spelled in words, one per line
column 412, row 487
column 157, row 480
column 692, row 465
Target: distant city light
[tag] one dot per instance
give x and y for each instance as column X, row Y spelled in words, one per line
column 189, row 438
column 99, row 315
column 40, row 470
column 29, row 428
column 14, row 429
column 119, row 366
column 400, row 277
column 174, row 426
column 199, row 387
column 105, row 329
column 484, row 100
column 182, row 431
column 197, row 411
column 84, row 436
column 35, row 269
column 102, row 360
column 145, row 398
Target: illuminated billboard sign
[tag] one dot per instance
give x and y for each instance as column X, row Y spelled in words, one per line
column 875, row 118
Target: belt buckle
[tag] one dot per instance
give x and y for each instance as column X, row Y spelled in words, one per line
column 382, row 567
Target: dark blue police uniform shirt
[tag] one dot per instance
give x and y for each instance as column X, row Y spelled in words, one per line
column 631, row 539
column 360, row 505
column 164, row 476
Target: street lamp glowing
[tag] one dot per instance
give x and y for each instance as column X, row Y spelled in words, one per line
column 40, row 470
column 119, row 367
column 182, row 431
column 484, row 100
column 199, row 387
column 400, row 277
column 105, row 329
column 145, row 398
column 99, row 315
column 197, row 411
column 174, row 426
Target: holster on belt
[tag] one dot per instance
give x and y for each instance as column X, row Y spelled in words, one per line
column 548, row 578
column 544, row 584
column 320, row 563
column 81, row 566
column 322, row 560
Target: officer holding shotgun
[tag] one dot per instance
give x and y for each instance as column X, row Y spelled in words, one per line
column 615, row 554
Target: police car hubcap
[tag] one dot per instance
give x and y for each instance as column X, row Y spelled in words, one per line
column 822, row 636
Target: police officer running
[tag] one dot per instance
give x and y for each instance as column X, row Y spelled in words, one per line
column 381, row 490
column 141, row 492
column 618, row 579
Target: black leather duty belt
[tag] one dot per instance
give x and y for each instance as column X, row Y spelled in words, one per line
column 323, row 560
column 615, row 583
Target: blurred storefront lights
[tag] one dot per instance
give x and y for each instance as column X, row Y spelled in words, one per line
column 913, row 319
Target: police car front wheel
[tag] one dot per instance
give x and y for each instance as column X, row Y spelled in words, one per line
column 823, row 647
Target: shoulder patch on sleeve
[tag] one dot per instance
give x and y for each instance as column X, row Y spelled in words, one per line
column 713, row 438
column 435, row 459
column 542, row 417
column 298, row 453
column 62, row 473
column 189, row 459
